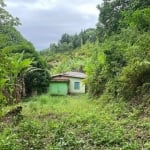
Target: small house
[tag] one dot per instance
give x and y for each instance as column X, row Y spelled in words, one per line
column 67, row 83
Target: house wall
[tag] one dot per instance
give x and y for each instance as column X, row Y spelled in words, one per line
column 58, row 88
column 71, row 86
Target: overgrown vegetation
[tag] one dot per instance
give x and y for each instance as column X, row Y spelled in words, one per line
column 119, row 64
column 75, row 122
column 21, row 67
column 124, row 71
column 116, row 58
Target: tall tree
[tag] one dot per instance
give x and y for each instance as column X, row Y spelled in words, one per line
column 66, row 38
column 110, row 15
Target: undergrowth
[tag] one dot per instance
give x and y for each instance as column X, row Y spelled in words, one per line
column 77, row 123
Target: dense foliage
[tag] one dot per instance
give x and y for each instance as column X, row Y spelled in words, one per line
column 111, row 14
column 123, row 55
column 17, row 54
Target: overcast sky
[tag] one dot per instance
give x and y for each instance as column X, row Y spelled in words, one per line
column 44, row 21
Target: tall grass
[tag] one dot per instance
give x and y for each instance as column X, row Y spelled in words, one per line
column 47, row 103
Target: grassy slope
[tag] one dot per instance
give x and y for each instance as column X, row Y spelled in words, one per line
column 75, row 122
column 69, row 60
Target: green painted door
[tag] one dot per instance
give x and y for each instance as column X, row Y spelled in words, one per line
column 58, row 88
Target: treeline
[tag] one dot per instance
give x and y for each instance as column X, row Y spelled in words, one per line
column 70, row 42
column 22, row 70
column 120, row 65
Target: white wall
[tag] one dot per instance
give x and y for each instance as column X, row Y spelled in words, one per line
column 71, row 86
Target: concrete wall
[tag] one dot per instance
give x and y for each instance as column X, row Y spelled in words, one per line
column 71, row 86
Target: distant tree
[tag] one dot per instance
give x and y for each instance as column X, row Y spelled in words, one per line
column 71, row 42
column 91, row 35
column 5, row 17
column 65, row 47
column 53, row 48
column 76, row 41
column 65, row 38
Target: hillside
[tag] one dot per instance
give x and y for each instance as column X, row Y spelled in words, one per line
column 71, row 52
column 74, row 60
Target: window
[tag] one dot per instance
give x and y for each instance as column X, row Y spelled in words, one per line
column 76, row 85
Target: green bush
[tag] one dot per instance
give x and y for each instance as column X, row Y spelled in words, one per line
column 134, row 79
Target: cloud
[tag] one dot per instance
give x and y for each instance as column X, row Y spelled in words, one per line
column 44, row 21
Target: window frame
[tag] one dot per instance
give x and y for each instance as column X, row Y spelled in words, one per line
column 77, row 85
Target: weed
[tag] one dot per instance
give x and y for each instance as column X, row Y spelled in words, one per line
column 75, row 122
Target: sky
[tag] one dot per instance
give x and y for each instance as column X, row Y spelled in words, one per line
column 44, row 21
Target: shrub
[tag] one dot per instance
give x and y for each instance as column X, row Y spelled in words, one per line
column 134, row 77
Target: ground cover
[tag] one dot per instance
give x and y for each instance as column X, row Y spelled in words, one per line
column 75, row 123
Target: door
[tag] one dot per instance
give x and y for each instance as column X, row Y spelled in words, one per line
column 58, row 88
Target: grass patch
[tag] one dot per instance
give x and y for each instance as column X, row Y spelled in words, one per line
column 75, row 122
